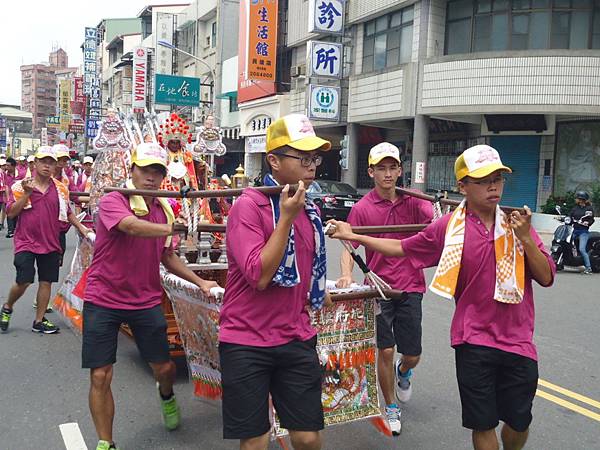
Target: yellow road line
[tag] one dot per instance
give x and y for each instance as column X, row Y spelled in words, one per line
column 569, row 405
column 568, row 393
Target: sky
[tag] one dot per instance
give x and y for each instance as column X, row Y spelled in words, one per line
column 30, row 30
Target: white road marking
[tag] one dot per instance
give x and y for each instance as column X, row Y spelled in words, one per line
column 72, row 437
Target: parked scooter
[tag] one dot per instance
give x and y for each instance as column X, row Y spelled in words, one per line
column 565, row 249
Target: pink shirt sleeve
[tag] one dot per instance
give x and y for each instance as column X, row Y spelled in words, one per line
column 425, row 248
column 113, row 208
column 540, row 245
column 245, row 229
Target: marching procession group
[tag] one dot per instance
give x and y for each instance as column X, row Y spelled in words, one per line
column 486, row 261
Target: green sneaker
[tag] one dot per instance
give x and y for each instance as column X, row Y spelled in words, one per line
column 170, row 411
column 5, row 314
column 105, row 445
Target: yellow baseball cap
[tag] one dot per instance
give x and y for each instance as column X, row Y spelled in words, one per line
column 148, row 153
column 382, row 151
column 478, row 162
column 45, row 151
column 62, row 151
column 296, row 131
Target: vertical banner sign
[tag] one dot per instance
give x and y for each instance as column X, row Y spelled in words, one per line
column 420, row 172
column 3, row 130
column 65, row 104
column 140, row 74
column 326, row 16
column 164, row 32
column 249, row 89
column 89, row 59
column 78, row 103
column 262, row 40
column 91, row 83
column 44, row 137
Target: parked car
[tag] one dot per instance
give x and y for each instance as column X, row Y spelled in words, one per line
column 335, row 199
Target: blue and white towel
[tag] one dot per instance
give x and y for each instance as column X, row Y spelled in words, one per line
column 287, row 273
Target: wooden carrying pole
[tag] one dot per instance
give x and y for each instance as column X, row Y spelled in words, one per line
column 268, row 190
column 219, row 228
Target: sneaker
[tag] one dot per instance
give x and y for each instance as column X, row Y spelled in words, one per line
column 105, row 445
column 5, row 314
column 170, row 411
column 403, row 384
column 10, row 235
column 393, row 415
column 45, row 326
column 587, row 272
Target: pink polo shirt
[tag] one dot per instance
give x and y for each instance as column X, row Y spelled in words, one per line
column 38, row 227
column 478, row 318
column 276, row 315
column 124, row 273
column 372, row 210
column 21, row 171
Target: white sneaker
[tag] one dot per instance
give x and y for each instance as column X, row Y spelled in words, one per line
column 393, row 415
column 403, row 384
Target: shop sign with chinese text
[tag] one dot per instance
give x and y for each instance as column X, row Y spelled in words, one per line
column 326, row 16
column 174, row 90
column 324, row 103
column 325, row 59
column 262, row 40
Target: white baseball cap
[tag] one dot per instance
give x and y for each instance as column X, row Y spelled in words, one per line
column 30, row 158
column 21, row 158
column 382, row 151
column 88, row 160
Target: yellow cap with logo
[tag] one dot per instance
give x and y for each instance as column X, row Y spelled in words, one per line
column 296, row 131
column 45, row 151
column 148, row 153
column 478, row 162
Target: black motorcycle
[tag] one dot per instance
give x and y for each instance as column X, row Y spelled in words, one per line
column 565, row 249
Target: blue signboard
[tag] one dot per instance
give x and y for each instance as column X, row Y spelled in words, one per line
column 174, row 90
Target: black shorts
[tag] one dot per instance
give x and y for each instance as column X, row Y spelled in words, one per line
column 101, row 329
column 291, row 373
column 47, row 267
column 495, row 385
column 399, row 323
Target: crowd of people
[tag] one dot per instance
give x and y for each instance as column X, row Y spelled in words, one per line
column 486, row 261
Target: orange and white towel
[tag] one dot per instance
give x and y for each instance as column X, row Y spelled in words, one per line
column 510, row 259
column 63, row 197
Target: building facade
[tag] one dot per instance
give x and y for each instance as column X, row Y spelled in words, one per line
column 436, row 76
column 39, row 88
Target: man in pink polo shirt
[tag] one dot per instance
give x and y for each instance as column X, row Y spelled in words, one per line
column 123, row 286
column 42, row 205
column 399, row 321
column 276, row 253
column 486, row 262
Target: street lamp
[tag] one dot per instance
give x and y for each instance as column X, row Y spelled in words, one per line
column 212, row 72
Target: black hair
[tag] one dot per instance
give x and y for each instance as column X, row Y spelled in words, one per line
column 11, row 161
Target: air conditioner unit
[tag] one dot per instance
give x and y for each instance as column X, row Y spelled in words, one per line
column 298, row 71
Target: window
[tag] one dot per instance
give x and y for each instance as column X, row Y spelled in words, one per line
column 213, row 35
column 388, row 40
column 493, row 25
column 233, row 104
